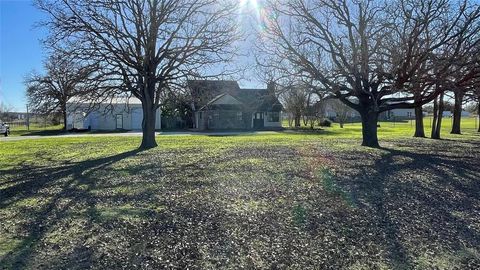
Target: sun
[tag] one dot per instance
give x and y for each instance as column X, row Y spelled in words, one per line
column 256, row 14
column 250, row 6
column 248, row 2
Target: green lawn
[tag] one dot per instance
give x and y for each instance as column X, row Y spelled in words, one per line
column 36, row 129
column 400, row 128
column 288, row 200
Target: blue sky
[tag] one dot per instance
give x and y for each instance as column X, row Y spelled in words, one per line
column 21, row 51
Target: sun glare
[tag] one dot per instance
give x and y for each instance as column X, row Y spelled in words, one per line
column 250, row 6
column 256, row 8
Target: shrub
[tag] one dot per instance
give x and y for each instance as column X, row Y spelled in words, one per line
column 326, row 123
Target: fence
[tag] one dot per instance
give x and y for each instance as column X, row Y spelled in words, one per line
column 447, row 122
column 17, row 124
column 33, row 125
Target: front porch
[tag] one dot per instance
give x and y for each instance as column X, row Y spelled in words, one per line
column 236, row 120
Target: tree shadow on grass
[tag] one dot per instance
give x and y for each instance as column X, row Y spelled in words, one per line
column 191, row 223
column 50, row 132
column 99, row 214
column 74, row 182
column 423, row 200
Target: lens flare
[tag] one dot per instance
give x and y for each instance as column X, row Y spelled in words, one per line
column 258, row 9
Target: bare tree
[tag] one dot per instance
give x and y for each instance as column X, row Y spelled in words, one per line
column 466, row 80
column 65, row 78
column 342, row 111
column 4, row 111
column 295, row 99
column 460, row 78
column 314, row 110
column 367, row 53
column 472, row 100
column 148, row 47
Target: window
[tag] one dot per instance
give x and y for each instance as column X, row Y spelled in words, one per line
column 239, row 116
column 216, row 115
column 273, row 117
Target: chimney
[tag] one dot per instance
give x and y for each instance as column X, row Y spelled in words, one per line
column 271, row 87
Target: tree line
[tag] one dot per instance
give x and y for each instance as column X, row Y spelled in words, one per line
column 377, row 56
column 372, row 56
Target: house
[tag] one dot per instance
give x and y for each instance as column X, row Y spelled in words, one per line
column 466, row 114
column 116, row 113
column 395, row 114
column 19, row 115
column 224, row 105
column 330, row 111
column 400, row 114
column 450, row 114
column 16, row 116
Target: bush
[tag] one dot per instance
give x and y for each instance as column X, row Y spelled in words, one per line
column 325, row 123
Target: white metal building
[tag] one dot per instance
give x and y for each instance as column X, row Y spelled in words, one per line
column 119, row 113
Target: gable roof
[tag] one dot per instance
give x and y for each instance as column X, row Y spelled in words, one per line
column 224, row 95
column 213, row 84
column 202, row 91
column 214, row 103
column 206, row 92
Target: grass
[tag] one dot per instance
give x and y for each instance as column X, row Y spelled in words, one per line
column 36, row 129
column 395, row 129
column 289, row 200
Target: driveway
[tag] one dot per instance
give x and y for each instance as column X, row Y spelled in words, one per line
column 134, row 133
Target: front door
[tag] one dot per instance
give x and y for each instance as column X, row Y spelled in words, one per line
column 119, row 124
column 258, row 120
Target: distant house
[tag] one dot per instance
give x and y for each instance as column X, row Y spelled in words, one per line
column 466, row 114
column 331, row 112
column 400, row 114
column 224, row 105
column 16, row 116
column 114, row 114
column 20, row 115
column 397, row 114
column 450, row 114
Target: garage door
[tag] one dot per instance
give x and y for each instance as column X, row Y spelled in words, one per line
column 137, row 117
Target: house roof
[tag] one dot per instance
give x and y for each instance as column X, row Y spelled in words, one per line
column 222, row 85
column 250, row 96
column 205, row 93
column 113, row 100
column 211, row 103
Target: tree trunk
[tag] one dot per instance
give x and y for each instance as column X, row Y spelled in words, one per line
column 64, row 114
column 341, row 121
column 438, row 124
column 478, row 112
column 369, row 129
column 297, row 120
column 148, row 125
column 435, row 116
column 457, row 112
column 419, row 128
